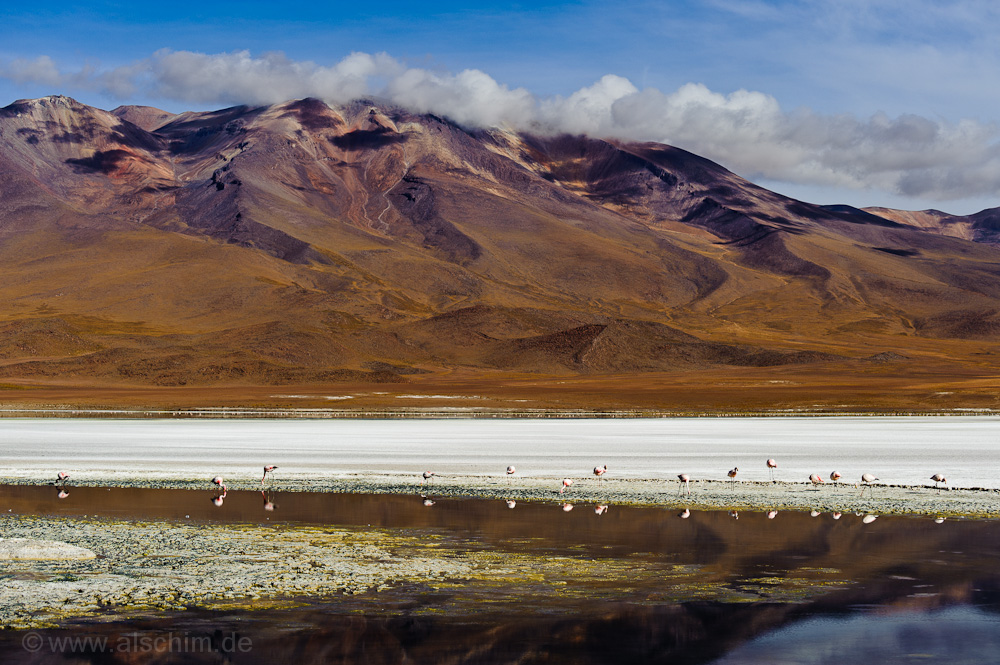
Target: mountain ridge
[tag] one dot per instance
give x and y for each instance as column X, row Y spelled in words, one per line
column 304, row 242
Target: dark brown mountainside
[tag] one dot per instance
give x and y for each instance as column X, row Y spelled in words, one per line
column 302, row 243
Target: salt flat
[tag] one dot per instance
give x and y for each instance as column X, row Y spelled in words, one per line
column 903, row 450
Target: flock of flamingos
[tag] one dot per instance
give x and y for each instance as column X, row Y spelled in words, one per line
column 685, row 485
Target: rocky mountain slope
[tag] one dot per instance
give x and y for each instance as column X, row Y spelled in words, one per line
column 307, row 243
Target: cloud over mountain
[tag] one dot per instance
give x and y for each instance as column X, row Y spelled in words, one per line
column 747, row 131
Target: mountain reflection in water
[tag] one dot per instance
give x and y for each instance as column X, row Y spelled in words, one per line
column 784, row 588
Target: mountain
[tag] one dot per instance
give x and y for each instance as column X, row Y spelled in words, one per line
column 303, row 243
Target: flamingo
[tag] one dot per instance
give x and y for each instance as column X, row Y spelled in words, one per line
column 815, row 479
column 62, row 477
column 866, row 481
column 427, row 475
column 685, row 483
column 566, row 484
column 600, row 471
column 510, row 472
column 938, row 478
column 771, row 466
column 267, row 469
column 684, row 514
column 218, row 481
column 732, row 475
column 835, row 476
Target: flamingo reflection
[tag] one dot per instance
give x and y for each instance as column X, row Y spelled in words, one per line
column 268, row 504
column 600, row 510
column 771, row 514
column 684, row 514
column 511, row 504
column 567, row 507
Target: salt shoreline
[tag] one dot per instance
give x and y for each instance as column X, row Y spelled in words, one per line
column 704, row 494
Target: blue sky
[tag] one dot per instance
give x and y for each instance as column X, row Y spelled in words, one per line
column 867, row 102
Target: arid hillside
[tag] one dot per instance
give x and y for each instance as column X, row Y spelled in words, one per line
column 309, row 245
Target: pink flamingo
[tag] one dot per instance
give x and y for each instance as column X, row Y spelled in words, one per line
column 732, row 475
column 218, row 482
column 866, row 481
column 510, row 472
column 938, row 478
column 62, row 477
column 427, row 475
column 835, row 476
column 566, row 484
column 267, row 469
column 771, row 466
column 599, row 471
column 815, row 479
column 685, row 483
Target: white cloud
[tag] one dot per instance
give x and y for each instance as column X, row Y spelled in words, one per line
column 746, row 131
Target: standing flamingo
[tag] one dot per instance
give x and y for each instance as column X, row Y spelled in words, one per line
column 835, row 476
column 267, row 469
column 771, row 466
column 62, row 477
column 427, row 475
column 815, row 479
column 566, row 484
column 510, row 472
column 866, row 481
column 685, row 483
column 218, row 481
column 732, row 476
column 938, row 478
column 600, row 471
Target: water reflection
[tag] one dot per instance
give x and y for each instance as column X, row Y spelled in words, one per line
column 760, row 589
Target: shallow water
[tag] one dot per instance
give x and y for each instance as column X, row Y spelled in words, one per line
column 898, row 450
column 710, row 587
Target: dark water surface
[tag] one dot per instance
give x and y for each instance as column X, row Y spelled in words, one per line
column 707, row 588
